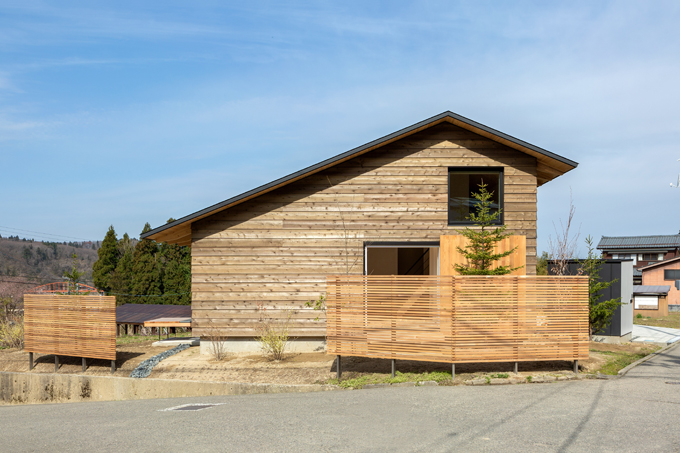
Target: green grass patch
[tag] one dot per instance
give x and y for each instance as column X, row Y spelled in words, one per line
column 499, row 376
column 358, row 382
column 616, row 361
column 672, row 321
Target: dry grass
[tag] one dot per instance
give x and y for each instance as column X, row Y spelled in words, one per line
column 672, row 321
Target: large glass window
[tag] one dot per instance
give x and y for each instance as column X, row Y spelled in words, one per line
column 463, row 182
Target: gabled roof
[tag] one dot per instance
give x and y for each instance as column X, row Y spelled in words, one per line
column 639, row 242
column 660, row 264
column 549, row 167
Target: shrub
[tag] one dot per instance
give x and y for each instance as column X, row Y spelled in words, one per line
column 273, row 333
column 218, row 347
column 12, row 333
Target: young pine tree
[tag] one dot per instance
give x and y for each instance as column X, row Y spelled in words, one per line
column 107, row 261
column 479, row 252
column 147, row 271
column 600, row 313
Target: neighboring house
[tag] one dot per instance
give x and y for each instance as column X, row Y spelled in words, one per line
column 651, row 301
column 643, row 250
column 664, row 273
column 377, row 209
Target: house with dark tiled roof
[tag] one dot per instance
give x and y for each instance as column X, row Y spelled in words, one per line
column 643, row 250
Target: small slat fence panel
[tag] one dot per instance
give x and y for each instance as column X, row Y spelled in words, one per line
column 462, row 319
column 76, row 326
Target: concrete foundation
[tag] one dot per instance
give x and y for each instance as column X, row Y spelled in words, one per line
column 25, row 388
column 673, row 308
column 250, row 346
column 613, row 340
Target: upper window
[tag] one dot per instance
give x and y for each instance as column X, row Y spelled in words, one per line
column 463, row 182
column 671, row 274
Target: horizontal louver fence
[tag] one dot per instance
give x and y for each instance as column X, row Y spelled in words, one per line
column 460, row 319
column 76, row 326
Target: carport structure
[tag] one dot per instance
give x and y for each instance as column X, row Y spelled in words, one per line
column 131, row 317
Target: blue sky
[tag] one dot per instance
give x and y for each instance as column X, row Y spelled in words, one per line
column 130, row 112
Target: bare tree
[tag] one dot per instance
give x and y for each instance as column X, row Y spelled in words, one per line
column 563, row 246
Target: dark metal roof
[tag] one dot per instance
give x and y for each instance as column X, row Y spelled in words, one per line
column 637, row 273
column 639, row 242
column 138, row 313
column 358, row 150
column 639, row 289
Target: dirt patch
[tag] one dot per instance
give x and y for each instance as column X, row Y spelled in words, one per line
column 297, row 368
column 128, row 357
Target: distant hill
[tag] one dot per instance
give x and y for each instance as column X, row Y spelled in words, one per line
column 25, row 263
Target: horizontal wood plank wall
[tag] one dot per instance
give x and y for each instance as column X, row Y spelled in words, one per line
column 76, row 326
column 277, row 249
column 450, row 256
column 462, row 319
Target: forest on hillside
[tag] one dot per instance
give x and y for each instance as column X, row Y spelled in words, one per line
column 27, row 263
column 135, row 271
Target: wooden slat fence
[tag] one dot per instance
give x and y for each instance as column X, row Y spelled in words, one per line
column 461, row 319
column 77, row 326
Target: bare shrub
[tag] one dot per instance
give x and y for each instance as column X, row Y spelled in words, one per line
column 273, row 333
column 563, row 246
column 218, row 347
column 12, row 332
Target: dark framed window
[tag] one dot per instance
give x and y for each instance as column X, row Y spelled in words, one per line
column 671, row 274
column 463, row 182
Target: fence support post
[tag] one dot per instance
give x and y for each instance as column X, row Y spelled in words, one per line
column 56, row 363
column 30, row 361
column 113, row 366
column 84, row 364
column 394, row 367
column 575, row 366
column 516, row 367
column 338, row 366
column 453, row 371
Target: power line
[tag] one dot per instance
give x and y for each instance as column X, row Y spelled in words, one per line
column 38, row 232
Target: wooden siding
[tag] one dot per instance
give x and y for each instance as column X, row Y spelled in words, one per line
column 450, row 256
column 76, row 326
column 278, row 248
column 459, row 319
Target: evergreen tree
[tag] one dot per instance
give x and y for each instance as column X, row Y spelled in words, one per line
column 176, row 274
column 108, row 256
column 147, row 272
column 121, row 278
column 73, row 276
column 600, row 313
column 479, row 252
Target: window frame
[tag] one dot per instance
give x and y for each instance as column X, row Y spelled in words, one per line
column 501, row 193
column 665, row 273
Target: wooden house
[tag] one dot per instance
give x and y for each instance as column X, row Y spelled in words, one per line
column 377, row 209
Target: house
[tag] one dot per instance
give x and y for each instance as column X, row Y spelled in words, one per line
column 643, row 250
column 376, row 209
column 664, row 273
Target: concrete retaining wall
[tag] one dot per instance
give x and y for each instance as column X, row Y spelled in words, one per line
column 23, row 388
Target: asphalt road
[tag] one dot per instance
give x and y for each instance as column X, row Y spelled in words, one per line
column 639, row 412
